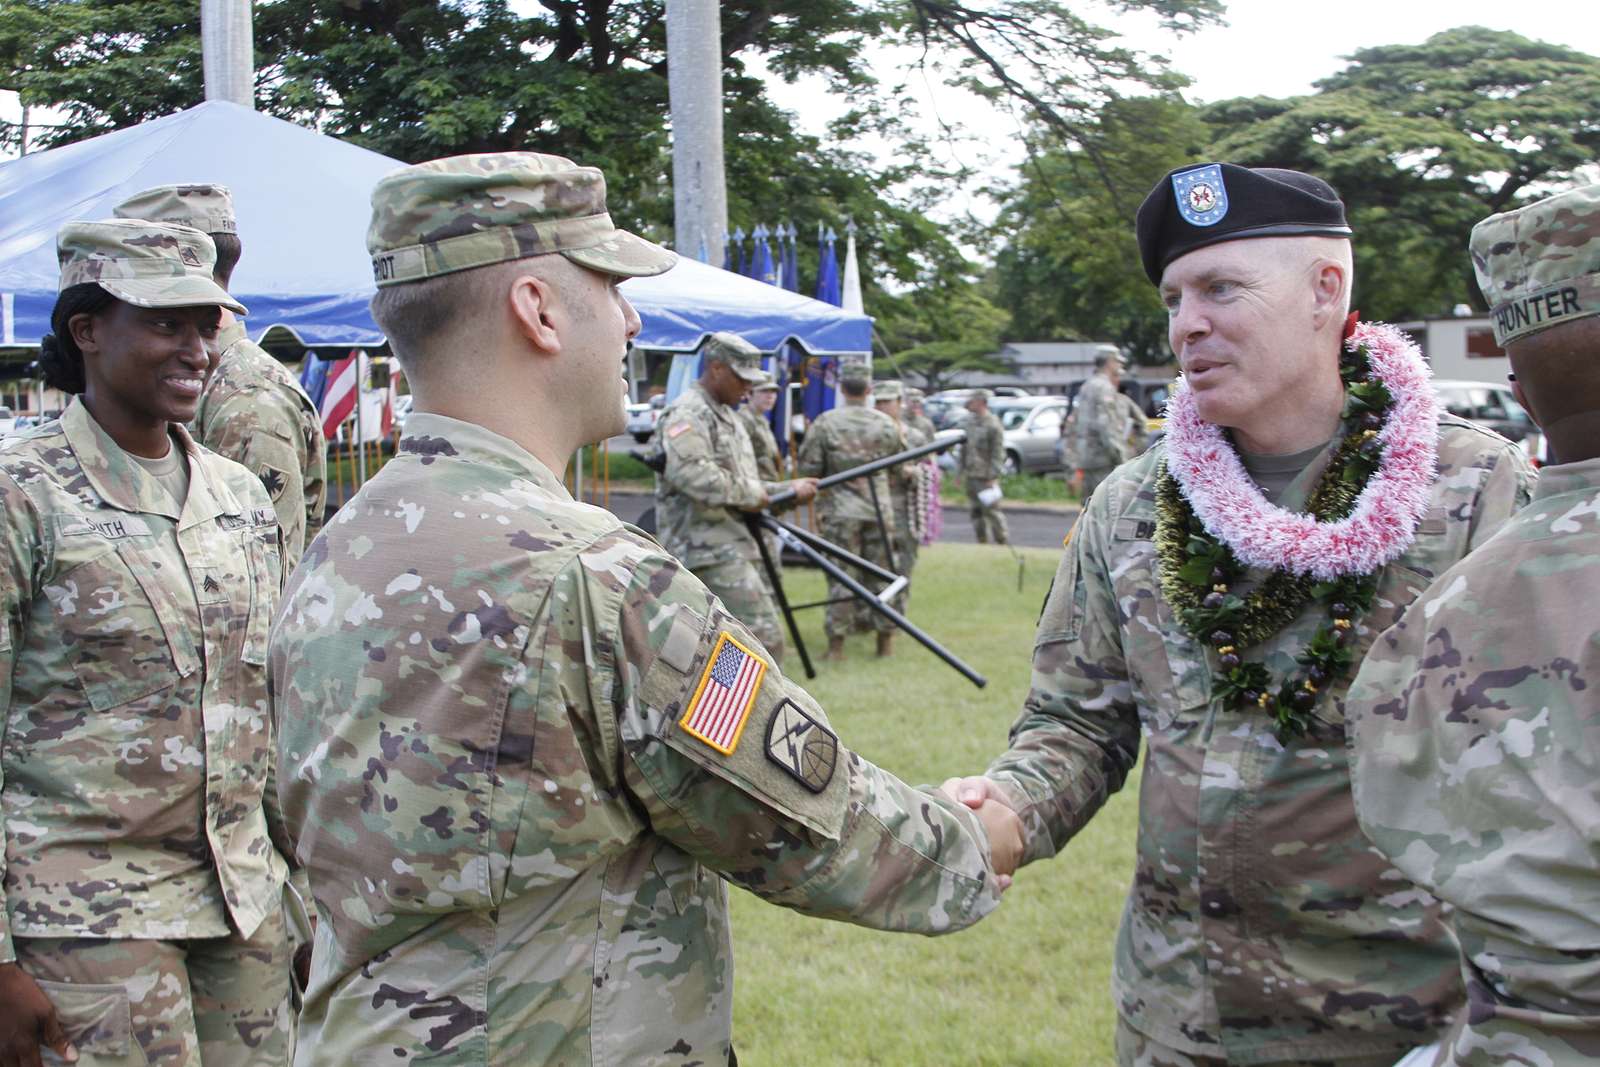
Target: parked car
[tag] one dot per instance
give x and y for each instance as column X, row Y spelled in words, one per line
column 642, row 417
column 1032, row 426
column 1488, row 404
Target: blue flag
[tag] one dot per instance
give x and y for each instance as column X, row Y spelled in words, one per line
column 763, row 269
column 821, row 385
column 828, row 289
column 314, row 378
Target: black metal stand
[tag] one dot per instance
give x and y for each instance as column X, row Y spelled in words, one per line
column 816, row 549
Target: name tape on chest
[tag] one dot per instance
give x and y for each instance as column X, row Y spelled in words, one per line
column 112, row 528
column 725, row 695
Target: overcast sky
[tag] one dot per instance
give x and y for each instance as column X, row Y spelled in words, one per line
column 1268, row 48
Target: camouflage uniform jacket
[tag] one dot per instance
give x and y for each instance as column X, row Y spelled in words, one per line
column 763, row 442
column 255, row 413
column 710, row 477
column 923, row 425
column 1099, row 432
column 1477, row 733
column 1261, row 925
column 514, row 841
column 983, row 455
column 133, row 692
column 844, row 437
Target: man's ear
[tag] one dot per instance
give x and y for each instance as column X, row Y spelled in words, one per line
column 534, row 312
column 1330, row 286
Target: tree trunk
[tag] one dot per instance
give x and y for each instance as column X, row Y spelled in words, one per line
column 694, row 88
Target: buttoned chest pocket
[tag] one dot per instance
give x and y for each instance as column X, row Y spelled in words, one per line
column 120, row 626
column 1400, row 585
column 1166, row 665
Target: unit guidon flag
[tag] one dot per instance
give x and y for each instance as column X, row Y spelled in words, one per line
column 725, row 695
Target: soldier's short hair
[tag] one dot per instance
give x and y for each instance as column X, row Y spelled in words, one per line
column 417, row 316
column 1104, row 358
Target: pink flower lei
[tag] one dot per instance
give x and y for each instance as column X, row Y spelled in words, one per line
column 1384, row 520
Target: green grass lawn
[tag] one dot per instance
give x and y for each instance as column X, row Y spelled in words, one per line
column 1032, row 488
column 1029, row 984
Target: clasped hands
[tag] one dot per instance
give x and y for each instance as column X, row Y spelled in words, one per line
column 999, row 821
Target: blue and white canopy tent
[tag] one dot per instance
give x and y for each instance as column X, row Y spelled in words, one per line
column 302, row 199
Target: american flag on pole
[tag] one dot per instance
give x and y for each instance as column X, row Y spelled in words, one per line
column 727, row 691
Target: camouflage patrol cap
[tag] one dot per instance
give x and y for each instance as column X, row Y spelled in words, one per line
column 1539, row 266
column 767, row 384
column 147, row 264
column 985, row 394
column 856, row 373
column 913, row 393
column 207, row 208
column 736, row 352
column 888, row 389
column 472, row 211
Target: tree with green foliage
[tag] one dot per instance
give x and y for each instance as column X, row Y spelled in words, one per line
column 1422, row 141
column 1068, row 267
column 417, row 79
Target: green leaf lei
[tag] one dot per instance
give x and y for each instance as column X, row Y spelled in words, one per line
column 1197, row 570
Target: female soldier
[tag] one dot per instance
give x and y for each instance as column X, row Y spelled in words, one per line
column 138, row 577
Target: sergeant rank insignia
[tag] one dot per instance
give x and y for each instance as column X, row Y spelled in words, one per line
column 722, row 701
column 806, row 750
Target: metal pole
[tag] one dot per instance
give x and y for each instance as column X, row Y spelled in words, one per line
column 361, row 402
column 776, row 580
column 694, row 91
column 227, row 51
column 784, row 496
column 839, row 574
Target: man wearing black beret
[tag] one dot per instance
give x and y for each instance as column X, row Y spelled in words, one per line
column 1213, row 600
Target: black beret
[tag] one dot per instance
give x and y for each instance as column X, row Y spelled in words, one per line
column 1196, row 206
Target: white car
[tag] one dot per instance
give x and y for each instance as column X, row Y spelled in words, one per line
column 642, row 417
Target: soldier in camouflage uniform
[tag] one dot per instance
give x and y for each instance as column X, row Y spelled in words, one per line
column 983, row 459
column 849, row 514
column 915, row 416
column 1097, row 430
column 253, row 411
column 1261, row 927
column 710, row 480
column 1476, row 722
column 763, row 397
column 1138, row 423
column 523, row 746
column 888, row 396
column 139, row 573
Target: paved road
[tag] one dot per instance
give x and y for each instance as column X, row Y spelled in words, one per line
column 1029, row 529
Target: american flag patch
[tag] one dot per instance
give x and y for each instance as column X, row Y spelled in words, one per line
column 726, row 693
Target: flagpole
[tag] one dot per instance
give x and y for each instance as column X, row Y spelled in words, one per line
column 361, row 402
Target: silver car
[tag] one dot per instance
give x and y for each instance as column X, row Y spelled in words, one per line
column 1032, row 426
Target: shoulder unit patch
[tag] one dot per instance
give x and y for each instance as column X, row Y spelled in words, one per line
column 806, row 750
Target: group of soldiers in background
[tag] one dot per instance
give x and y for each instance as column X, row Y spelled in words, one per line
column 721, row 461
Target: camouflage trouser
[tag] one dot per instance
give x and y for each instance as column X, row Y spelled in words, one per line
column 865, row 539
column 220, row 1001
column 1136, row 1050
column 987, row 522
column 741, row 584
column 1092, row 477
column 906, row 548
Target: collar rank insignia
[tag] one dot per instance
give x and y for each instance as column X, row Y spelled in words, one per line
column 806, row 750
column 726, row 692
column 1201, row 196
